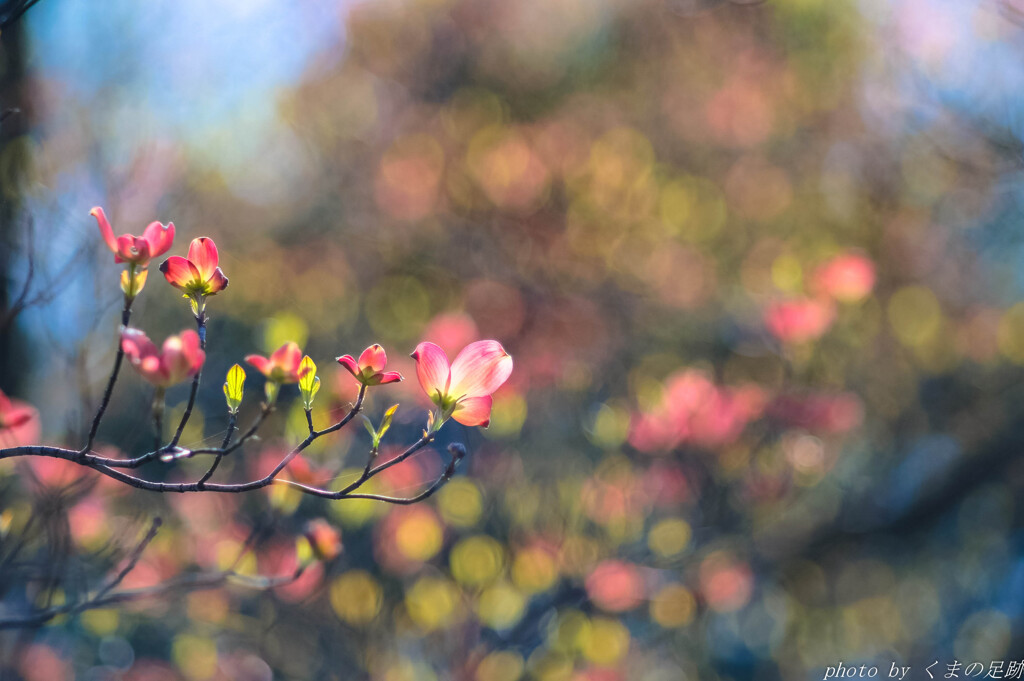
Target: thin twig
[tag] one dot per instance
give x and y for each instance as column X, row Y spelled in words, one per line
column 126, row 314
column 216, row 462
column 201, row 326
column 93, row 462
column 133, row 559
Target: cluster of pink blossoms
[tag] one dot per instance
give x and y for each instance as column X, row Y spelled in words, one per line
column 461, row 391
column 846, row 278
column 694, row 410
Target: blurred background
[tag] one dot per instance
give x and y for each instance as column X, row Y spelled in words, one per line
column 758, row 263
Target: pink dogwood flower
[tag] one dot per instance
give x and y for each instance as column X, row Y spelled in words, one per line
column 136, row 250
column 369, row 370
column 283, row 366
column 198, row 275
column 179, row 358
column 462, row 390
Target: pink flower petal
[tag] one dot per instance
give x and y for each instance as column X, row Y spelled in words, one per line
column 390, row 377
column 173, row 362
column 349, row 363
column 432, row 369
column 218, row 282
column 136, row 344
column 106, row 231
column 191, row 352
column 287, row 357
column 202, row 253
column 178, row 271
column 474, row 411
column 132, row 249
column 160, row 238
column 480, row 369
column 373, row 358
column 15, row 417
column 261, row 363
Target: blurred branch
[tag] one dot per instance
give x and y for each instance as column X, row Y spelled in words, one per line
column 109, row 595
column 12, row 10
column 865, row 516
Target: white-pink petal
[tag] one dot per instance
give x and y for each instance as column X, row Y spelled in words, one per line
column 474, row 411
column 432, row 369
column 480, row 369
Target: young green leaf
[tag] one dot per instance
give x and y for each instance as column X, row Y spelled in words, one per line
column 309, row 384
column 234, row 387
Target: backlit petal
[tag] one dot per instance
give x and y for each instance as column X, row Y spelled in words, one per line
column 132, row 249
column 287, row 357
column 349, row 363
column 432, row 369
column 173, row 360
column 373, row 358
column 390, row 377
column 178, row 271
column 106, row 231
column 261, row 363
column 136, row 344
column 202, row 253
column 218, row 282
column 160, row 238
column 480, row 369
column 474, row 411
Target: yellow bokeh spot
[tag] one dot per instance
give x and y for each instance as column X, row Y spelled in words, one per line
column 419, row 536
column 476, row 560
column 507, row 416
column 692, row 208
column 610, row 426
column 500, row 606
column 534, row 570
column 787, row 273
column 606, row 641
column 433, row 603
column 545, row 666
column 101, row 622
column 673, row 606
column 569, row 632
column 195, row 656
column 669, row 537
column 1011, row 334
column 227, row 552
column 405, row 670
column 504, row 665
column 356, row 597
column 282, row 328
column 675, row 205
column 285, row 498
column 915, row 315
column 460, row 502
